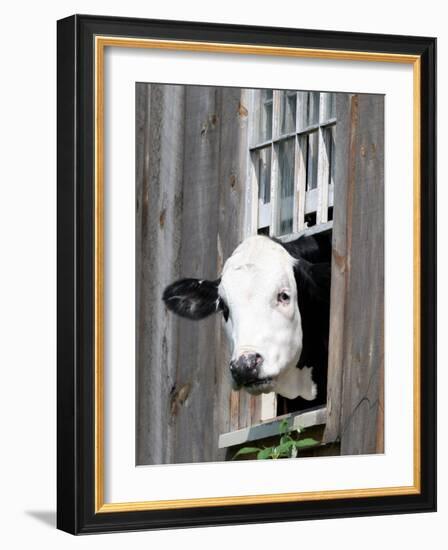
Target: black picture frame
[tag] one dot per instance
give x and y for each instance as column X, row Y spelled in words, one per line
column 76, row 512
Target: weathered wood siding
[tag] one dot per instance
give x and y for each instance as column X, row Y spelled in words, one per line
column 159, row 197
column 356, row 362
column 191, row 167
column 191, row 171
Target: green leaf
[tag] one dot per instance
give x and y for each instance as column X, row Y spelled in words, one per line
column 285, row 438
column 284, row 427
column 306, row 442
column 246, row 451
column 265, row 453
column 285, row 447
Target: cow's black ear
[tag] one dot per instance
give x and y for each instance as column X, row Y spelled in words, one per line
column 193, row 298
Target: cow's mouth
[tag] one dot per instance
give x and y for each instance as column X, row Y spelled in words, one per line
column 262, row 385
column 255, row 387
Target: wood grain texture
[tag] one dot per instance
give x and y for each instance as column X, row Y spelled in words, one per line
column 230, row 408
column 191, row 170
column 363, row 370
column 339, row 274
column 191, row 173
column 159, row 175
column 196, row 360
column 356, row 369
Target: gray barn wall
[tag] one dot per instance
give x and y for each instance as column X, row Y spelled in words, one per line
column 159, row 189
column 190, row 170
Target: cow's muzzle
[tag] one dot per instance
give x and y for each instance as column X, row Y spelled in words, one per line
column 245, row 369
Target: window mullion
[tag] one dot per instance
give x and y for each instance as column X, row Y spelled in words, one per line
column 323, row 170
column 276, row 106
column 274, row 163
column 295, row 198
column 300, row 183
column 299, row 170
column 252, row 196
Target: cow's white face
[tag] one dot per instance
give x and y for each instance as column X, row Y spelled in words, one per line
column 263, row 323
column 257, row 294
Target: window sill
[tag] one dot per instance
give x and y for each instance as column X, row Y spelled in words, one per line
column 306, row 232
column 302, row 419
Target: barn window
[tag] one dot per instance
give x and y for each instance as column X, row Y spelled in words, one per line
column 291, row 169
column 292, row 152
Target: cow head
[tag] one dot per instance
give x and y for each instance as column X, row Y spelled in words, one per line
column 257, row 295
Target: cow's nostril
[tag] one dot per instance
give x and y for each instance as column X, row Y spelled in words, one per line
column 245, row 368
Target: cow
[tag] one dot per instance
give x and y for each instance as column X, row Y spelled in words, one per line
column 274, row 298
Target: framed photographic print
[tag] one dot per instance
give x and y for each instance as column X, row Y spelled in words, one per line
column 246, row 274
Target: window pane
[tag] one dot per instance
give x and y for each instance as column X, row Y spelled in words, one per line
column 286, row 185
column 332, row 106
column 263, row 171
column 311, row 160
column 331, row 152
column 262, row 165
column 265, row 116
column 332, row 161
column 308, row 105
column 288, row 112
column 312, row 109
column 329, row 107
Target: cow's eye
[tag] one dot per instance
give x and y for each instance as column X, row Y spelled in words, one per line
column 283, row 297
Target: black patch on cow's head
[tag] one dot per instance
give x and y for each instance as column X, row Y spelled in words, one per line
column 313, row 284
column 312, row 248
column 312, row 274
column 194, row 298
column 313, row 295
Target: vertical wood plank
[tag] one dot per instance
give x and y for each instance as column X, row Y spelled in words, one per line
column 233, row 169
column 159, row 173
column 193, row 417
column 356, row 366
column 339, row 274
column 364, row 355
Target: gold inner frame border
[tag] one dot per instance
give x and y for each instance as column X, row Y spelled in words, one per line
column 100, row 43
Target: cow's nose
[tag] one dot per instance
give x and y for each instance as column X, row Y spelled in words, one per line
column 245, row 369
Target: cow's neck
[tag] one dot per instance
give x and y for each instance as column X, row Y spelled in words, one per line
column 296, row 382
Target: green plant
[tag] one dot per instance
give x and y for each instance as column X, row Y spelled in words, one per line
column 288, row 447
